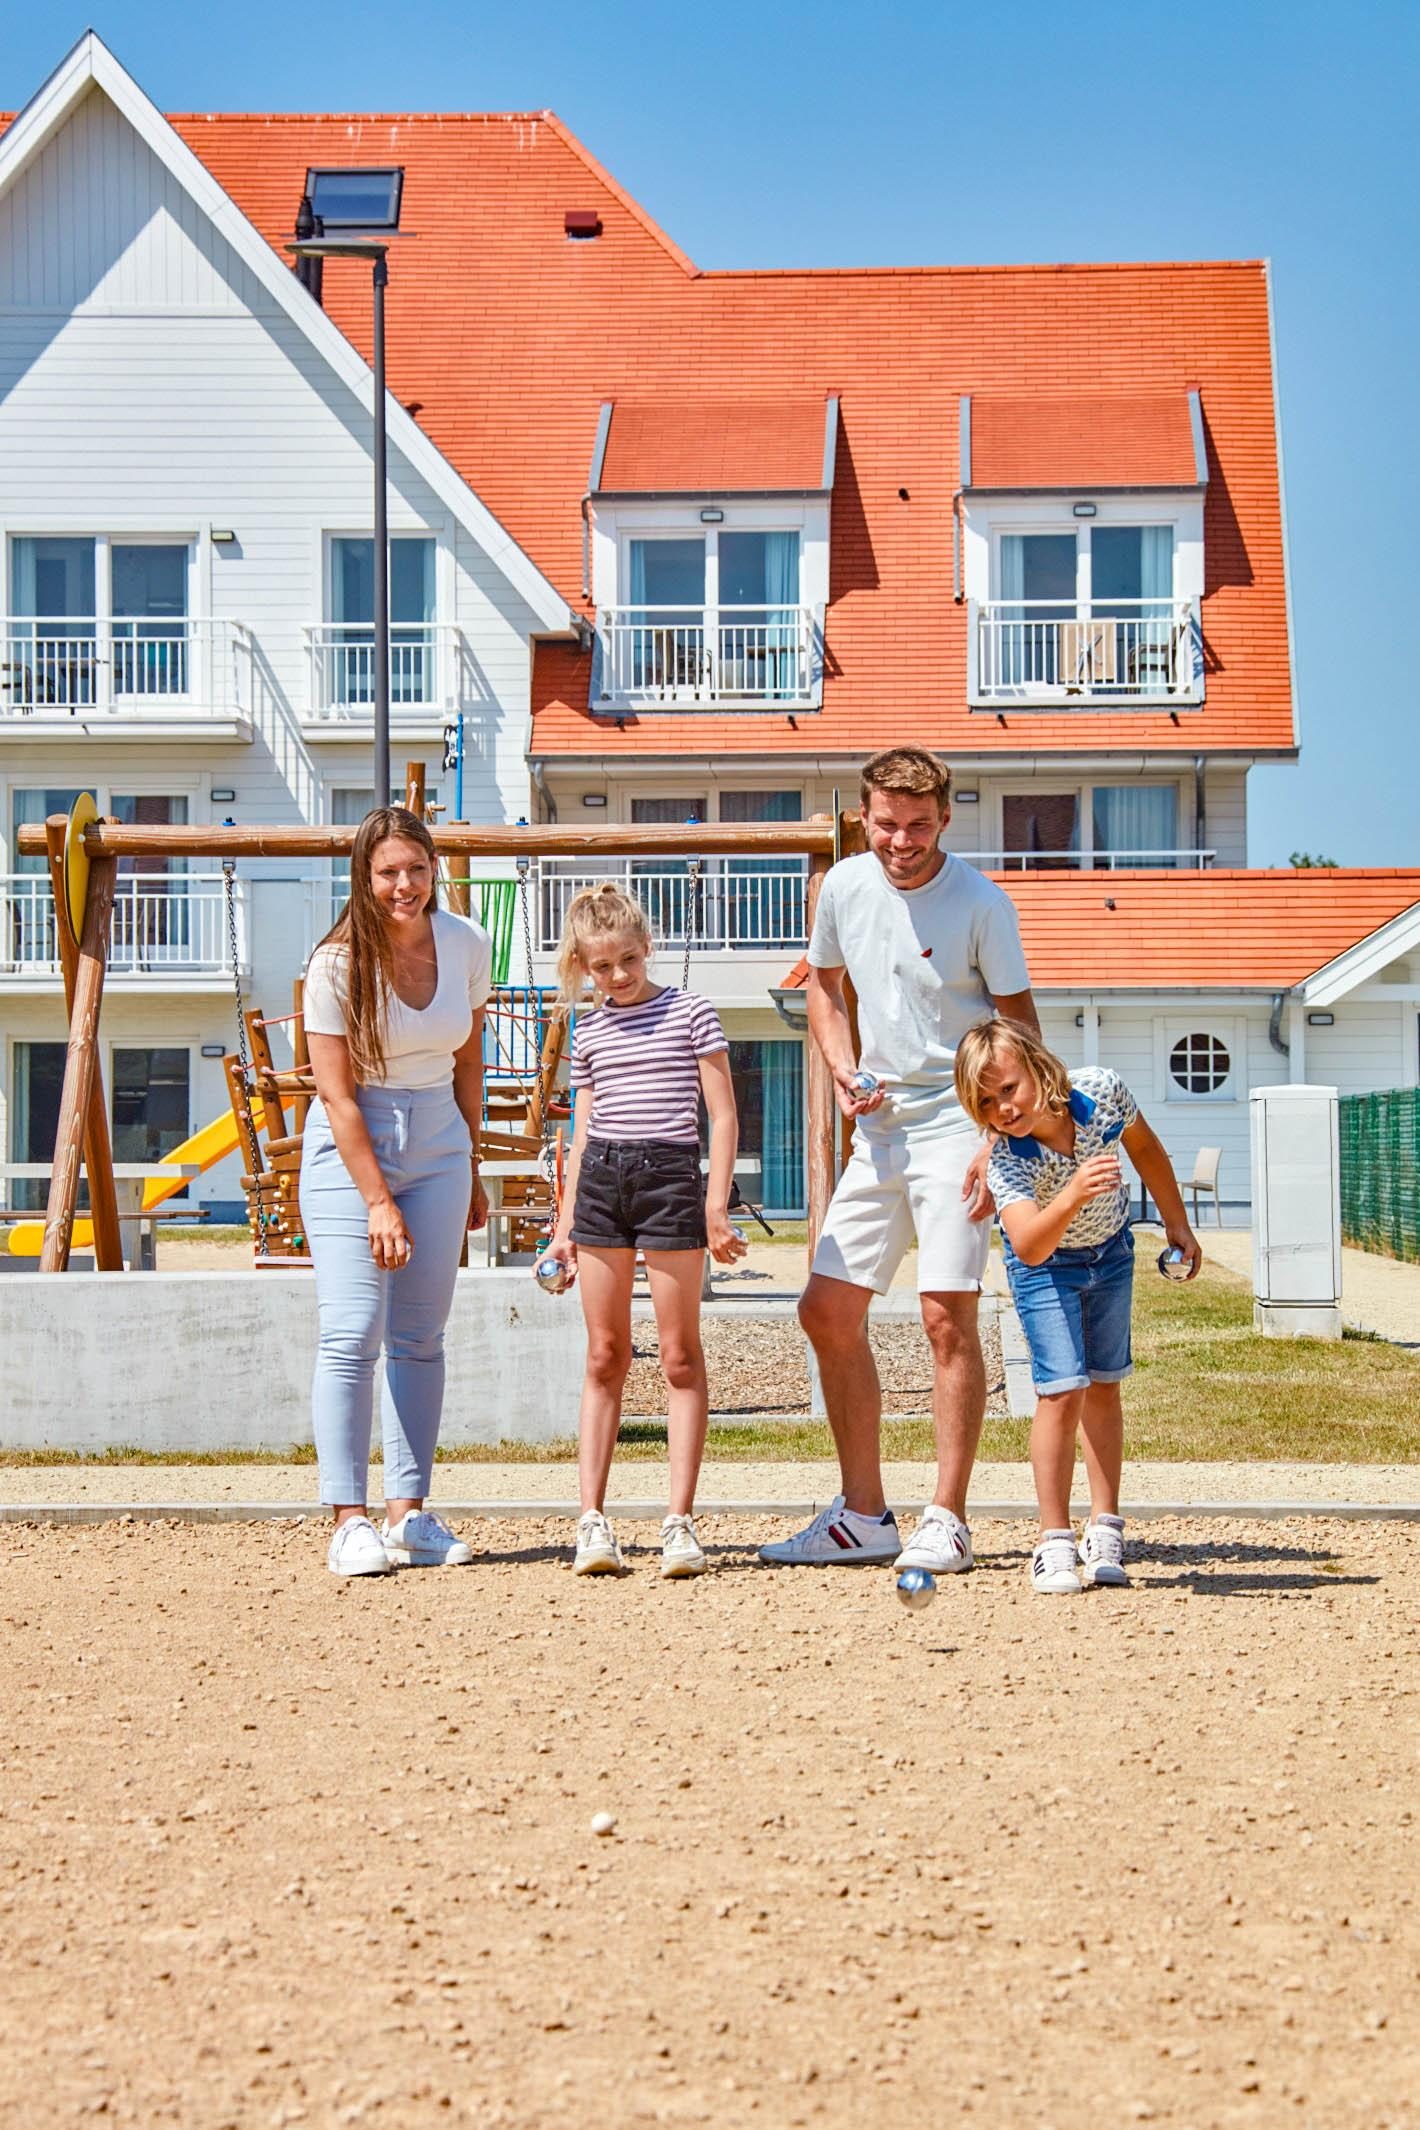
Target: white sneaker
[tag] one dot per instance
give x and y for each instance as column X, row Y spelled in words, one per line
column 838, row 1537
column 1101, row 1552
column 356, row 1549
column 941, row 1544
column 597, row 1550
column 423, row 1540
column 681, row 1551
column 1052, row 1565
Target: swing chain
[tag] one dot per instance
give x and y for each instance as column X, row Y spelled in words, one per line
column 694, row 868
column 229, row 895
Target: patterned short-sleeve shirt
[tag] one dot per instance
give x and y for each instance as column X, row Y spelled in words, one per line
column 1022, row 1169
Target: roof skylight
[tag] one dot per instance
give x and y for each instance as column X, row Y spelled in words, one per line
column 356, row 199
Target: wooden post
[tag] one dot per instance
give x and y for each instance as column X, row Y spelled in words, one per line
column 413, row 789
column 79, row 1067
column 98, row 1154
column 456, row 879
column 822, row 1103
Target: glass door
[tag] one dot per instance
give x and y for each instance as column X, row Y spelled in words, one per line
column 31, row 941
column 662, row 885
column 151, row 648
column 50, row 651
column 39, row 1082
column 1040, row 831
column 1038, row 591
column 758, row 615
column 351, row 676
column 152, row 911
column 764, row 897
column 661, row 640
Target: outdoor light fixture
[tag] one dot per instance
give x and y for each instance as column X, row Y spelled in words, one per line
column 213, row 1050
column 594, row 798
column 363, row 205
column 966, row 798
column 225, row 538
column 223, row 797
column 712, row 517
column 1085, row 510
column 1321, row 1020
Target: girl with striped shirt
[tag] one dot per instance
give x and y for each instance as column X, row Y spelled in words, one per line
column 641, row 1061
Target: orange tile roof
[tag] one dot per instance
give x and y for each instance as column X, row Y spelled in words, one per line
column 1223, row 931
column 508, row 337
column 681, row 447
column 1082, row 442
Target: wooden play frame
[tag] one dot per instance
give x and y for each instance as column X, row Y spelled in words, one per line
column 82, row 1136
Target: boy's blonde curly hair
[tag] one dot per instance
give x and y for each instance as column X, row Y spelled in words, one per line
column 983, row 1047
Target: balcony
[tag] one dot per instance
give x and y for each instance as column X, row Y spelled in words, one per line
column 79, row 674
column 681, row 658
column 744, row 905
column 430, row 673
column 1055, row 652
column 166, row 927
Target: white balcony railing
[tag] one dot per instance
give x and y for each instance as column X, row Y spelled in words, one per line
column 680, row 657
column 737, row 904
column 1186, row 861
column 162, row 922
column 1054, row 650
column 99, row 666
column 426, row 668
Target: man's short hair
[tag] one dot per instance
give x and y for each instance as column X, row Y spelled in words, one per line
column 913, row 770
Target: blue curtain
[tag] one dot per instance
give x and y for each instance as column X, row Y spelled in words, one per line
column 781, row 592
column 782, row 1154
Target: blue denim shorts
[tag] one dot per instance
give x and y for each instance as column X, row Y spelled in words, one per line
column 1074, row 1310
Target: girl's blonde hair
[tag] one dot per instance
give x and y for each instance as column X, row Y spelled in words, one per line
column 983, row 1046
column 600, row 912
column 361, row 932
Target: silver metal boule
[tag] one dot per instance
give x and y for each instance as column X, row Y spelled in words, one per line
column 916, row 1588
column 1174, row 1265
column 864, row 1084
column 551, row 1275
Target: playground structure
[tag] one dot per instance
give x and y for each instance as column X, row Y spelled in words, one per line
column 83, row 852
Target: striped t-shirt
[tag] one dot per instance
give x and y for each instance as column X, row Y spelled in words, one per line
column 642, row 1064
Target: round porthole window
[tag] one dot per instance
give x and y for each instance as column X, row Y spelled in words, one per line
column 1199, row 1063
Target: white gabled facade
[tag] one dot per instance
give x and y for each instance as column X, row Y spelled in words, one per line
column 185, row 442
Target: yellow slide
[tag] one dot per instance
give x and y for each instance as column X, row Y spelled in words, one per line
column 203, row 1150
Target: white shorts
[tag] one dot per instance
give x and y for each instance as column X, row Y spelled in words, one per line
column 897, row 1185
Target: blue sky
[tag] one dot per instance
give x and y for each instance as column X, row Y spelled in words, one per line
column 827, row 135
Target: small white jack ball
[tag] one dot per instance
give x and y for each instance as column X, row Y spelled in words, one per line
column 603, row 1822
column 916, row 1588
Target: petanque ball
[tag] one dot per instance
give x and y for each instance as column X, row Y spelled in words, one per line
column 916, row 1588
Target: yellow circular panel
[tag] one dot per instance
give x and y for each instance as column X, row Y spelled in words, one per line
column 76, row 861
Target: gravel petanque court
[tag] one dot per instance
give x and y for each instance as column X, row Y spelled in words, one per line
column 277, row 1849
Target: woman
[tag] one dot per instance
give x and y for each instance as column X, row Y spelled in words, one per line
column 389, row 1181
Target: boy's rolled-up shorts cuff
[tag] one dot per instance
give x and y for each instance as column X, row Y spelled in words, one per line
column 1111, row 1375
column 1059, row 1389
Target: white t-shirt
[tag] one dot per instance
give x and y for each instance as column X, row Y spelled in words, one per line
column 925, row 962
column 419, row 1045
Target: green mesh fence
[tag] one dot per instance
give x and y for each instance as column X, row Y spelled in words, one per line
column 1380, row 1172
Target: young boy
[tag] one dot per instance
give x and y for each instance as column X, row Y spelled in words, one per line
column 1063, row 1205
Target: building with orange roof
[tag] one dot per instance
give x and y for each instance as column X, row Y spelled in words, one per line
column 666, row 545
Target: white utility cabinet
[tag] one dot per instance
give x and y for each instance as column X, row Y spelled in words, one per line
column 1296, row 1212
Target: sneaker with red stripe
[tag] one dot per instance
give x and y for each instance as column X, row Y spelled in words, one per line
column 941, row 1544
column 838, row 1537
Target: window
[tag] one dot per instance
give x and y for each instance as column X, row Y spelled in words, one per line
column 39, row 1082
column 764, row 897
column 661, row 885
column 769, row 1092
column 1042, row 828
column 356, row 199
column 351, row 643
column 150, row 637
column 1086, row 610
column 1139, row 820
column 1199, row 1063
column 150, row 1102
column 712, row 614
column 50, row 654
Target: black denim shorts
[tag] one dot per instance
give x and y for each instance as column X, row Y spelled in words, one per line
column 640, row 1194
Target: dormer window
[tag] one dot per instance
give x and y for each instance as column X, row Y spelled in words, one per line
column 355, row 199
column 710, row 617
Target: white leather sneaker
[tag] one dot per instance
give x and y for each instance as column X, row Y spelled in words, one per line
column 838, row 1537
column 423, row 1540
column 597, row 1550
column 357, row 1549
column 681, row 1551
column 941, row 1544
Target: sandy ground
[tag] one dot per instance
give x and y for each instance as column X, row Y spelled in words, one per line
column 730, row 1483
column 277, row 1849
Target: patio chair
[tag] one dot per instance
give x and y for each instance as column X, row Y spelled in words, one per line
column 1206, row 1164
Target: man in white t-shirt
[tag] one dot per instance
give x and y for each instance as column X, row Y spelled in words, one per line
column 931, row 946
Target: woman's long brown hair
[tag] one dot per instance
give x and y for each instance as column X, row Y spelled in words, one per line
column 361, row 932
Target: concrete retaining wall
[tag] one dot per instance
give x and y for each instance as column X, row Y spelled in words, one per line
column 222, row 1361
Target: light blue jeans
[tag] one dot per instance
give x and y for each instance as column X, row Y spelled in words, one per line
column 421, row 1142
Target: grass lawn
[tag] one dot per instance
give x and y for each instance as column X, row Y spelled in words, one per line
column 1205, row 1387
